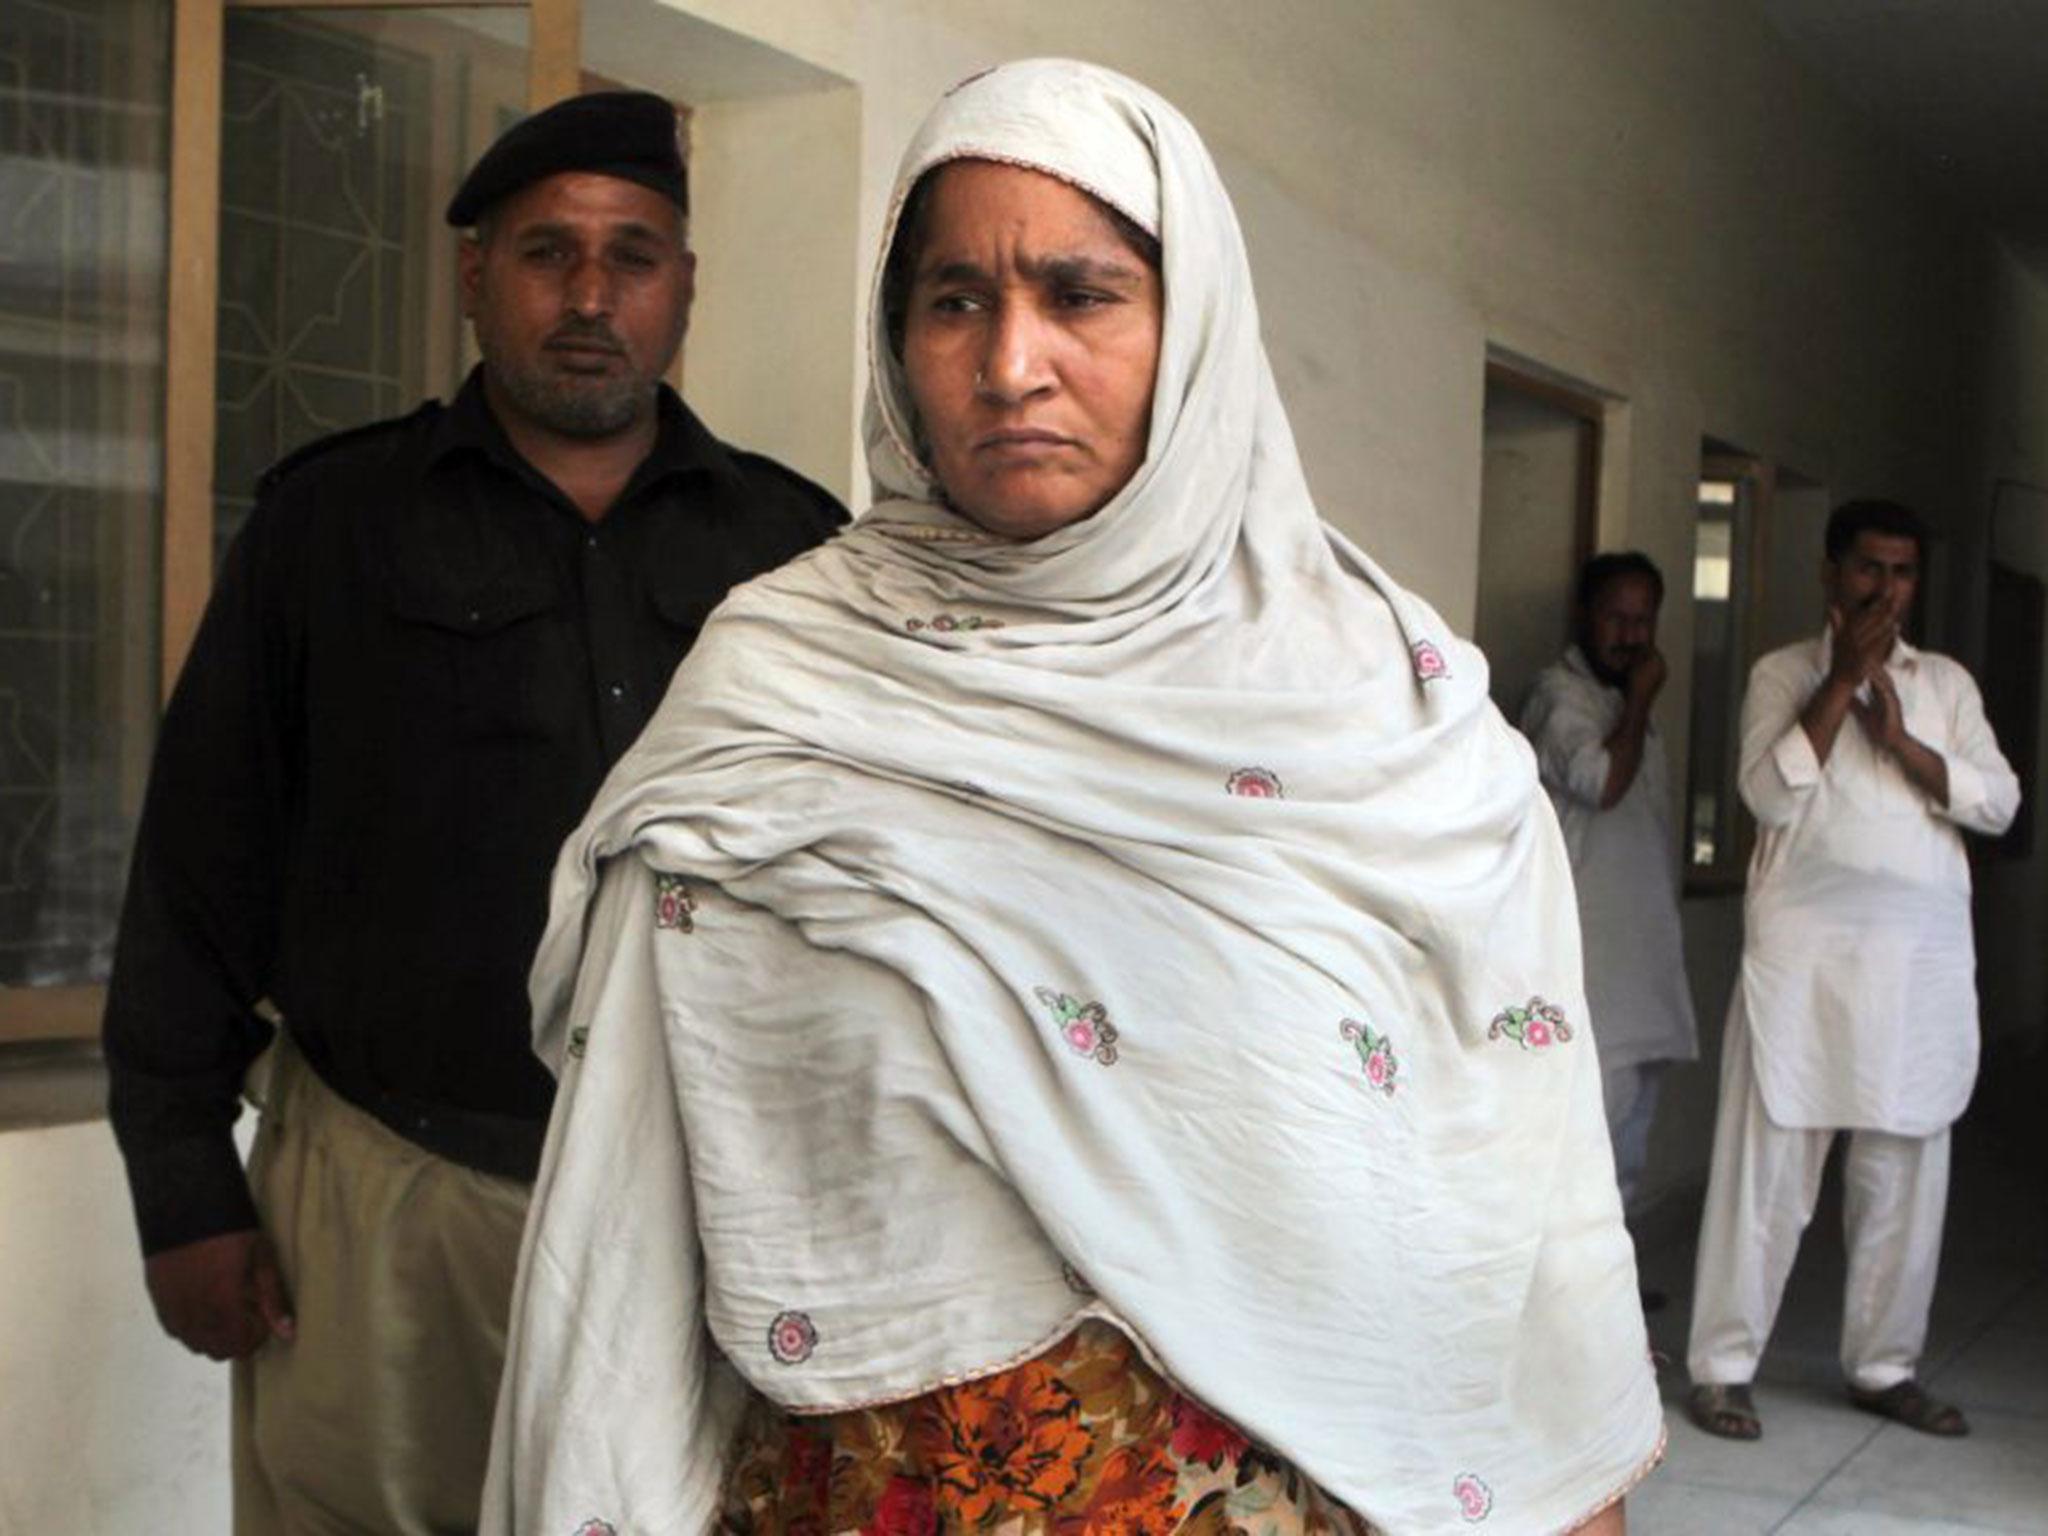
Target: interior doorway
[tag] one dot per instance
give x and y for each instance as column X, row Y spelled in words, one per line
column 1538, row 521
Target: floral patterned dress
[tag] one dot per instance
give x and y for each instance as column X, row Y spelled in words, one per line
column 1084, row 1438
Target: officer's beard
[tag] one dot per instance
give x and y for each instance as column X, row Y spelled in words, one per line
column 574, row 405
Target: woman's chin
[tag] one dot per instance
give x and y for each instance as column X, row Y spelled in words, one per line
column 1024, row 518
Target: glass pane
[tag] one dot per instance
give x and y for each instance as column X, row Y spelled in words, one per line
column 343, row 135
column 1717, row 558
column 84, row 88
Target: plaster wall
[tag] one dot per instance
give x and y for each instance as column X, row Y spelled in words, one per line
column 770, row 361
column 106, row 1425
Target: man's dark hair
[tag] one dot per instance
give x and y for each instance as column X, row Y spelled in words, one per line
column 899, row 271
column 1612, row 566
column 1873, row 516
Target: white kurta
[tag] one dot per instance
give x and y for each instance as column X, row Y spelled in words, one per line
column 1858, row 968
column 1636, row 993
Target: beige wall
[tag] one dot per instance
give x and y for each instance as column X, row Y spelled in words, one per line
column 771, row 359
column 1645, row 195
column 105, row 1425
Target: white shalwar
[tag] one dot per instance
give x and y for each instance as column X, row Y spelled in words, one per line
column 1637, row 998
column 1856, row 1010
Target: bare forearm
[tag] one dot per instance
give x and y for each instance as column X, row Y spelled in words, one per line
column 1625, row 752
column 1824, row 713
column 1927, row 768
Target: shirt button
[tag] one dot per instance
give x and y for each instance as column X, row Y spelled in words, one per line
column 618, row 690
column 590, row 541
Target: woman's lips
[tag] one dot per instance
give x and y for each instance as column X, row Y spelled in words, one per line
column 1022, row 440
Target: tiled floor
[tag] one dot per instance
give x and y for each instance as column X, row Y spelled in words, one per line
column 1823, row 1469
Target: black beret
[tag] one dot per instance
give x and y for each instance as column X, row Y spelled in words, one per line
column 628, row 134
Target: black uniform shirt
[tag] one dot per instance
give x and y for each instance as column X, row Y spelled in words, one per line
column 417, row 667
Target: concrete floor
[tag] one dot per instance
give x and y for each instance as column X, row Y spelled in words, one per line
column 1824, row 1469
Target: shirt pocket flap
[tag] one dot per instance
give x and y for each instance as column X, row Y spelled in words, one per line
column 478, row 610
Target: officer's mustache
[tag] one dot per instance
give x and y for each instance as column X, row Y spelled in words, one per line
column 585, row 335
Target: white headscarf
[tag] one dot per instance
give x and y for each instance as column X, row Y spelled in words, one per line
column 1162, row 896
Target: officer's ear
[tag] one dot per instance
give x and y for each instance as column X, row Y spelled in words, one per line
column 469, row 271
column 689, row 292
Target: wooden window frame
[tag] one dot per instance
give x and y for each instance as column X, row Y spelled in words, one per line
column 198, row 41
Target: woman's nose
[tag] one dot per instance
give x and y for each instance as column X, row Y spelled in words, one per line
column 1018, row 364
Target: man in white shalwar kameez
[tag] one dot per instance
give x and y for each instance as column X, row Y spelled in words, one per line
column 1603, row 763
column 1856, row 1009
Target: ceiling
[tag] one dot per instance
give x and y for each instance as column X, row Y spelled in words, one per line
column 1962, row 85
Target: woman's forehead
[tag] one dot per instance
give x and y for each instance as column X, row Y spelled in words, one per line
column 974, row 200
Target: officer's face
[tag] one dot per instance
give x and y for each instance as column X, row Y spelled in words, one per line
column 579, row 287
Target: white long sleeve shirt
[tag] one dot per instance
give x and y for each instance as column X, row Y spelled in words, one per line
column 1639, row 1003
column 1858, row 967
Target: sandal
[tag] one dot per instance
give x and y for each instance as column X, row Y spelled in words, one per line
column 1725, row 1409
column 1907, row 1403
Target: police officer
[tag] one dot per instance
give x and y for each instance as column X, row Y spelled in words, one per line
column 426, row 648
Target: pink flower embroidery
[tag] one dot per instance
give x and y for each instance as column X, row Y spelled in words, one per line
column 1084, row 1026
column 579, row 1040
column 1475, row 1499
column 1254, row 784
column 673, row 904
column 947, row 623
column 1536, row 1026
column 597, row 1528
column 1429, row 661
column 791, row 1338
column 1375, row 1054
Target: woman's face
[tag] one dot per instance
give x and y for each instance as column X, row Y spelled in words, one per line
column 1031, row 342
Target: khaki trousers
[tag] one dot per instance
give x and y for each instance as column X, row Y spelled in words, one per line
column 1761, row 1190
column 376, row 1417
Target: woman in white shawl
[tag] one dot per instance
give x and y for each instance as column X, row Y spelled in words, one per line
column 1071, row 1012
